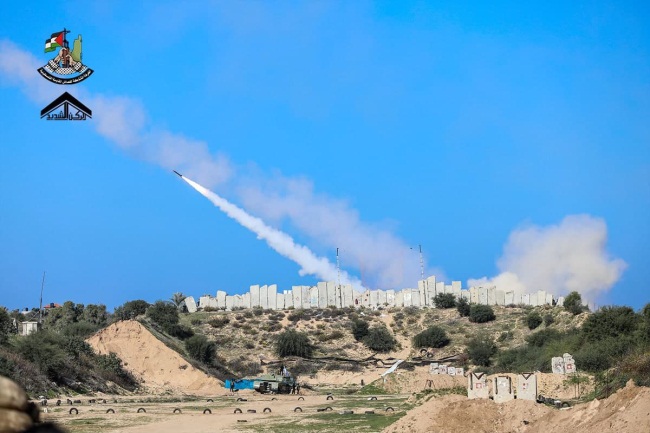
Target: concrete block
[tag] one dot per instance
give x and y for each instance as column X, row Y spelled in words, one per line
column 358, row 298
column 440, row 287
column 373, row 299
column 272, row 293
column 431, row 290
column 307, row 300
column 314, row 297
column 399, row 299
column 492, row 295
column 288, row 298
column 527, row 386
column 322, row 294
column 348, row 296
column 279, row 301
column 503, row 390
column 448, row 288
column 560, row 301
column 569, row 364
column 541, row 297
column 264, row 297
column 557, row 365
column 408, row 301
column 230, row 302
column 421, row 285
column 190, row 304
column 477, row 386
column 451, row 371
column 466, row 295
column 255, row 296
column 221, row 299
column 460, row 371
column 331, row 293
column 423, row 295
column 532, row 299
column 390, row 298
column 509, row 298
column 237, row 301
column 501, row 298
column 456, row 286
column 442, row 369
column 246, row 300
column 473, row 295
column 549, row 299
column 297, row 296
column 415, row 297
column 381, row 299
column 433, row 368
column 525, row 299
column 338, row 296
column 482, row 296
column 204, row 301
column 456, row 291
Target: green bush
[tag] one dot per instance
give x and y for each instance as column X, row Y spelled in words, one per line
column 573, row 303
column 130, row 310
column 181, row 332
column 80, row 329
column 293, row 343
column 548, row 320
column 480, row 349
column 444, row 300
column 200, row 348
column 219, row 321
column 163, row 314
column 6, row 325
column 610, row 322
column 360, row 329
column 543, row 337
column 481, row 313
column 463, row 307
column 433, row 336
column 380, row 339
column 533, row 320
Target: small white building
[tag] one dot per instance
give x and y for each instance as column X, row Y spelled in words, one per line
column 29, row 327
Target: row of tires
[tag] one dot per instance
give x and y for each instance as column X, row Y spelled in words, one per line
column 329, row 397
column 75, row 411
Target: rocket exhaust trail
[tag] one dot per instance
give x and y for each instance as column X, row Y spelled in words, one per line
column 279, row 241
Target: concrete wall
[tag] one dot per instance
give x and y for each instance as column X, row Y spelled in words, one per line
column 503, row 390
column 477, row 386
column 527, row 386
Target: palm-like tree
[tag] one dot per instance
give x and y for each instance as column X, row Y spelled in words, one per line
column 177, row 298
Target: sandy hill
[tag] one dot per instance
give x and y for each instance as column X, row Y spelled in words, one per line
column 627, row 411
column 158, row 367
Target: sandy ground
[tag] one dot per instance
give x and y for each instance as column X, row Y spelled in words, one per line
column 158, row 367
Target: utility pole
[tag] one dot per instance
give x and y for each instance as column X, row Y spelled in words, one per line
column 40, row 306
column 338, row 268
column 421, row 263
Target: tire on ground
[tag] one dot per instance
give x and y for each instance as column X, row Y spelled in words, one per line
column 298, row 409
column 177, row 410
column 110, row 411
column 389, row 408
column 301, row 398
column 238, row 410
column 141, row 409
column 329, row 397
column 206, row 410
column 267, row 409
column 76, row 411
column 210, row 400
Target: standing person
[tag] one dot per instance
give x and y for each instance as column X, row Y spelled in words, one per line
column 232, row 386
column 298, row 389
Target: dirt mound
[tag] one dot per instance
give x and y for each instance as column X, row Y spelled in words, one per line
column 158, row 367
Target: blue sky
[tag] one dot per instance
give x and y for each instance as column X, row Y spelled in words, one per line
column 445, row 124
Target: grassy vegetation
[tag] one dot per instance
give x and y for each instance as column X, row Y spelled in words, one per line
column 329, row 422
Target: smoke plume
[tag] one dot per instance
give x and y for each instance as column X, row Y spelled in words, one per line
column 558, row 258
column 280, row 242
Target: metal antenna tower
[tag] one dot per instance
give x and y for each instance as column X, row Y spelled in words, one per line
column 421, row 263
column 40, row 306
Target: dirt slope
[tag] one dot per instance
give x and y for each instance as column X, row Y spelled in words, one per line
column 158, row 367
column 627, row 411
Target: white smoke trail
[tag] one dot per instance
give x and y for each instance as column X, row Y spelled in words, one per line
column 280, row 242
column 569, row 256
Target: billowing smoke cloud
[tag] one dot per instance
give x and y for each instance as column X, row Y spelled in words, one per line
column 558, row 258
column 385, row 260
column 280, row 242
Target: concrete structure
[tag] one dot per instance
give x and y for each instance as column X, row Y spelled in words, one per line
column 557, row 365
column 288, row 299
column 433, row 368
column 246, row 300
column 221, row 299
column 399, row 299
column 279, row 301
column 501, row 298
column 390, row 298
column 415, row 297
column 482, row 296
column 330, row 287
column 306, row 297
column 491, row 295
column 322, row 295
column 255, row 296
column 569, row 364
column 460, row 371
column 407, row 297
column 272, row 293
column 503, row 390
column 230, row 302
column 373, row 299
column 442, row 369
column 509, row 298
column 29, row 328
column 190, row 304
column 313, row 297
column 264, row 299
column 477, row 386
column 527, row 386
column 451, row 371
column 297, row 296
column 381, row 299
column 473, row 295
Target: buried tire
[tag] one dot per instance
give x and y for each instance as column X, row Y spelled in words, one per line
column 210, row 400
column 177, row 410
column 267, row 409
column 301, row 398
column 238, row 410
column 329, row 397
column 241, row 399
column 208, row 411
column 298, row 409
column 372, row 398
column 110, row 411
column 141, row 410
column 389, row 408
column 73, row 409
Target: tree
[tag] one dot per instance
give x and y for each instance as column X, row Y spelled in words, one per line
column 177, row 298
column 200, row 348
column 610, row 322
column 463, row 307
column 444, row 300
column 573, row 303
column 548, row 320
column 481, row 313
column 480, row 349
column 433, row 336
column 293, row 343
column 96, row 315
column 380, row 339
column 163, row 314
column 533, row 320
column 360, row 329
column 6, row 325
column 131, row 309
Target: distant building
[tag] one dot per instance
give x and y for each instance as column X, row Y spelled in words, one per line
column 29, row 327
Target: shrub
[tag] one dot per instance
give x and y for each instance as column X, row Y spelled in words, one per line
column 293, row 343
column 610, row 322
column 543, row 337
column 380, row 339
column 79, row 329
column 433, row 336
column 130, row 310
column 481, row 313
column 573, row 303
column 463, row 307
column 6, row 325
column 533, row 320
column 360, row 329
column 181, row 332
column 480, row 349
column 200, row 348
column 548, row 320
column 163, row 314
column 444, row 300
column 219, row 322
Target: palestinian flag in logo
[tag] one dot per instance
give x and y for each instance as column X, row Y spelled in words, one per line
column 54, row 42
